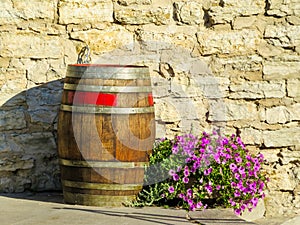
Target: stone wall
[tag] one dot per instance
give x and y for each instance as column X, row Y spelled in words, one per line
column 226, row 64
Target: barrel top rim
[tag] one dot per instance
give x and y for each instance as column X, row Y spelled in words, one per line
column 107, row 65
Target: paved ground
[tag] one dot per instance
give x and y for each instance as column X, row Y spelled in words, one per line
column 48, row 208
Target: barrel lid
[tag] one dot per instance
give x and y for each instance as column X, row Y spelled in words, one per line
column 108, row 71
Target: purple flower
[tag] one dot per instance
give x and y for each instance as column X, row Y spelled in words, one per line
column 234, row 146
column 233, row 203
column 205, row 142
column 256, row 167
column 218, row 187
column 202, row 150
column 171, row 189
column 179, row 169
column 243, row 207
column 248, row 157
column 185, row 180
column 254, row 201
column 233, row 167
column 207, row 171
column 238, row 212
column 186, row 172
column 171, row 172
column 181, row 195
column 188, row 160
column 189, row 192
column 175, row 177
column 175, row 149
column 208, row 188
column 248, row 164
column 233, row 184
column 239, row 141
column 252, row 186
column 241, row 170
column 225, row 141
column 199, row 205
column 238, row 159
column 190, row 202
column 261, row 186
column 217, row 158
column 193, row 170
column 237, row 194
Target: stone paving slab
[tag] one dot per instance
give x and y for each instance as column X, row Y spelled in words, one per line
column 217, row 217
column 49, row 209
column 32, row 210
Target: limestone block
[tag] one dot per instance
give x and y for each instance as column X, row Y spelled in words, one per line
column 282, row 179
column 283, row 35
column 243, row 22
column 167, row 111
column 295, row 20
column 247, row 63
column 85, row 11
column 168, row 38
column 280, row 70
column 251, row 136
column 47, row 28
column 189, row 12
column 293, row 88
column 16, row 164
column 275, row 202
column 33, row 46
column 231, row 111
column 226, row 10
column 45, row 176
column 43, row 103
column 282, row 8
column 288, row 156
column 281, row 137
column 294, row 111
column 13, row 82
column 14, row 11
column 13, row 183
column 241, row 42
column 134, row 2
column 106, row 40
column 271, row 155
column 209, row 87
column 257, row 213
column 45, row 95
column 37, row 72
column 4, row 146
column 256, row 90
column 143, row 15
column 33, row 143
column 266, row 50
column 279, row 114
column 12, row 119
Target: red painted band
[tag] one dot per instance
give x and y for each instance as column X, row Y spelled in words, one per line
column 150, row 99
column 93, row 98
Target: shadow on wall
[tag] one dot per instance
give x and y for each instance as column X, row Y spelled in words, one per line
column 28, row 147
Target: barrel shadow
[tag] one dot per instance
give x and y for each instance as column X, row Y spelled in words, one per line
column 155, row 218
column 28, row 146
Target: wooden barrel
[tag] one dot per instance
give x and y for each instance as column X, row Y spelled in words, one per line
column 105, row 133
